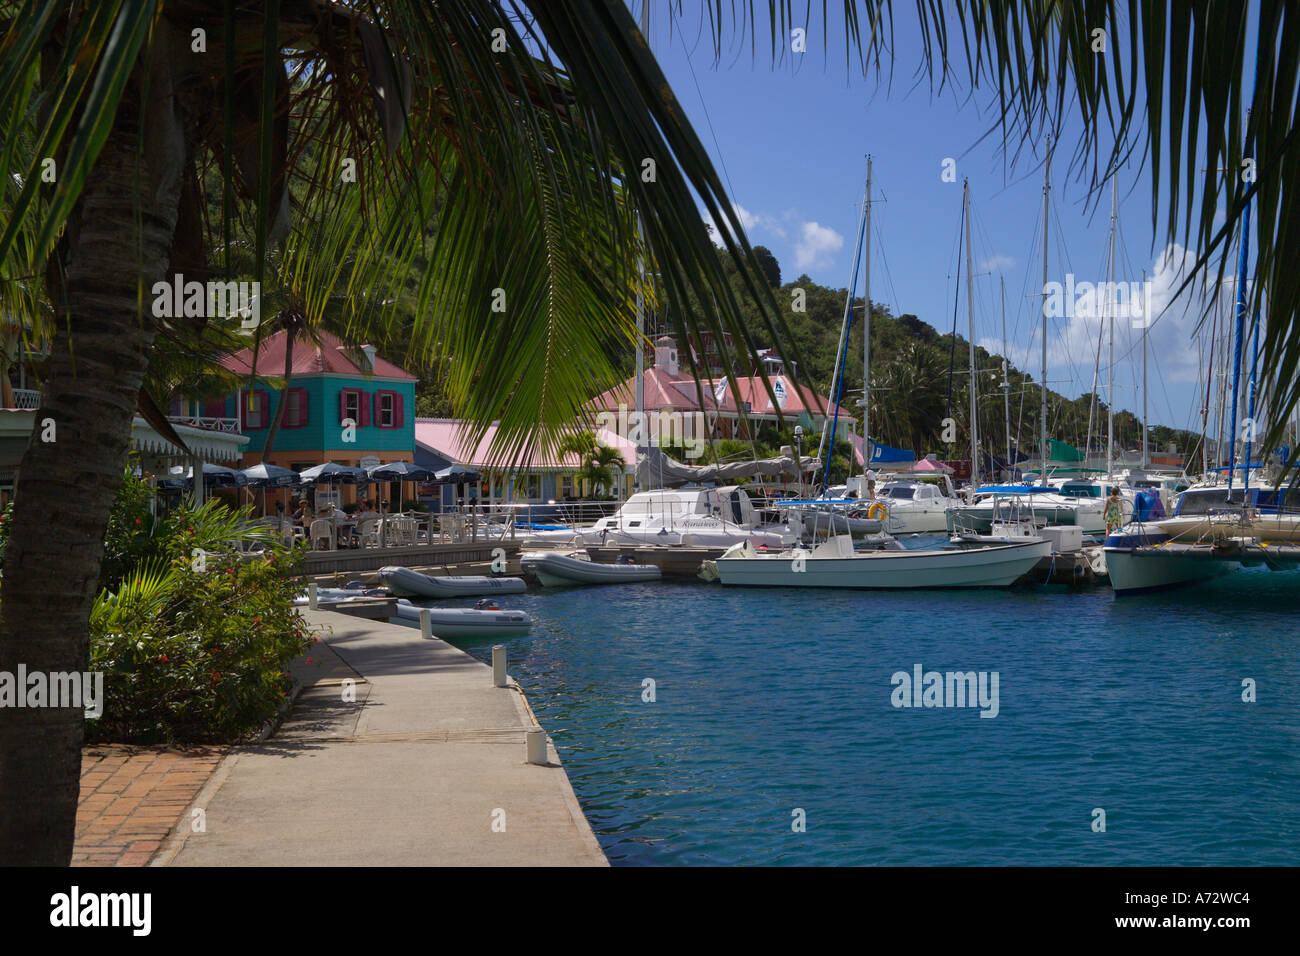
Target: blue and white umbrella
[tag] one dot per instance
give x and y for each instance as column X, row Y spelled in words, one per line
column 214, row 476
column 331, row 473
column 271, row 476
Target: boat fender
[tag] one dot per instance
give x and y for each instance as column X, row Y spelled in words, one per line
column 877, row 512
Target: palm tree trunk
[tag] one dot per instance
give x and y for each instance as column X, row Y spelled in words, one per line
column 73, row 464
column 284, row 393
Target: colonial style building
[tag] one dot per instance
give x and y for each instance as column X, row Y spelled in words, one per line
column 345, row 404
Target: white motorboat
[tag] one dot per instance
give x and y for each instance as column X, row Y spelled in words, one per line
column 822, row 517
column 1013, row 521
column 918, row 507
column 835, row 564
column 700, row 517
column 555, row 569
column 405, row 582
column 449, row 622
column 1048, row 503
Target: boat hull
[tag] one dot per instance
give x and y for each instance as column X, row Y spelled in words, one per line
column 1149, row 569
column 449, row 622
column 993, row 567
column 405, row 582
column 561, row 570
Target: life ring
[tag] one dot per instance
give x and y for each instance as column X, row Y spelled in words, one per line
column 877, row 512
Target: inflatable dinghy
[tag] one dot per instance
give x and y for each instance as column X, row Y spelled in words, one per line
column 561, row 570
column 450, row 622
column 404, row 582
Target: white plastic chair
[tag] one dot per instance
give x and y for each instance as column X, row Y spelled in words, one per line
column 369, row 532
column 322, row 529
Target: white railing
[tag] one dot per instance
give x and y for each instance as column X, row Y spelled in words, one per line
column 27, row 398
column 202, row 421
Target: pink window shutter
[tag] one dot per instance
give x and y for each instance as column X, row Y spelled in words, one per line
column 343, row 405
column 365, row 409
column 215, row 409
column 304, row 405
column 398, row 410
column 264, row 408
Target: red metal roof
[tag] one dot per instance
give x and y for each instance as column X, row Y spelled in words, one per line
column 330, row 357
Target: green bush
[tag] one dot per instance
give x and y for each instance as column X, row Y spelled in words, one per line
column 194, row 639
column 197, row 655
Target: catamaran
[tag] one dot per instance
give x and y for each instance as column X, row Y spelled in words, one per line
column 835, row 564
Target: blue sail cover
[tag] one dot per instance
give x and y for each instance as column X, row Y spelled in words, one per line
column 884, row 455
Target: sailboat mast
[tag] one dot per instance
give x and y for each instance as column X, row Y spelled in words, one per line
column 1145, row 452
column 640, row 296
column 1006, row 381
column 866, row 337
column 970, row 306
column 1042, row 409
column 1110, row 387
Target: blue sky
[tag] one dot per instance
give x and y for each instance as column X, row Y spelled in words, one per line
column 790, row 142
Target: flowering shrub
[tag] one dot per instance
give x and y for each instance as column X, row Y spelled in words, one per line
column 197, row 656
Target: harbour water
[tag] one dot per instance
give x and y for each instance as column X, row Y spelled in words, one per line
column 771, row 702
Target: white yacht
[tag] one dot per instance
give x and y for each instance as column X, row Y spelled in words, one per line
column 835, row 564
column 682, row 517
column 918, row 507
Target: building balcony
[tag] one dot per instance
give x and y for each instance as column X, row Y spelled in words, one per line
column 203, row 421
column 27, row 398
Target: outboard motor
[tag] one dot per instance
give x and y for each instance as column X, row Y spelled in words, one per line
column 486, row 604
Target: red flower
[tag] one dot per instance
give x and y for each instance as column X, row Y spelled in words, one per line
column 257, row 620
column 215, row 675
column 309, row 660
column 137, row 520
column 163, row 658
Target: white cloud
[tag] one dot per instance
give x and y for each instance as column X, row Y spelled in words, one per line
column 751, row 222
column 997, row 263
column 816, row 246
column 1073, row 338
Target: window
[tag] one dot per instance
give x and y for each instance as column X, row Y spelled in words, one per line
column 354, row 404
column 296, row 407
column 255, row 407
column 389, row 409
column 566, row 486
column 532, row 487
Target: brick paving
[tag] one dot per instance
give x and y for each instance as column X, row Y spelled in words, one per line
column 132, row 797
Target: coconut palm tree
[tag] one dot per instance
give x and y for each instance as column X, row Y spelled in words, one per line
column 497, row 157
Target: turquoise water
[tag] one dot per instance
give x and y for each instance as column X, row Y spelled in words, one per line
column 772, row 701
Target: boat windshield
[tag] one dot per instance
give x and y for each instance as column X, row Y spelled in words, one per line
column 1081, row 491
column 1207, row 501
column 900, row 492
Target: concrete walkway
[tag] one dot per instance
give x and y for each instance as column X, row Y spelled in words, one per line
column 426, row 767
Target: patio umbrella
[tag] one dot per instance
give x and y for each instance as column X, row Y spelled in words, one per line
column 331, row 473
column 214, row 476
column 456, row 475
column 270, row 476
column 402, row 472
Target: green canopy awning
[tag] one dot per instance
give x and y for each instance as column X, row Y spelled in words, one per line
column 1060, row 451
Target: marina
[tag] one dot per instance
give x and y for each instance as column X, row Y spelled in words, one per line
column 544, row 434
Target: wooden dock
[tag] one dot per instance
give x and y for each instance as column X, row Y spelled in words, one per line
column 423, row 555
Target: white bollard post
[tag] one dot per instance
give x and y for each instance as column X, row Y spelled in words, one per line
column 536, row 740
column 311, row 595
column 426, row 623
column 498, row 665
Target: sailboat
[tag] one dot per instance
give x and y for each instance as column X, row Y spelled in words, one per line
column 836, row 564
column 1216, row 527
